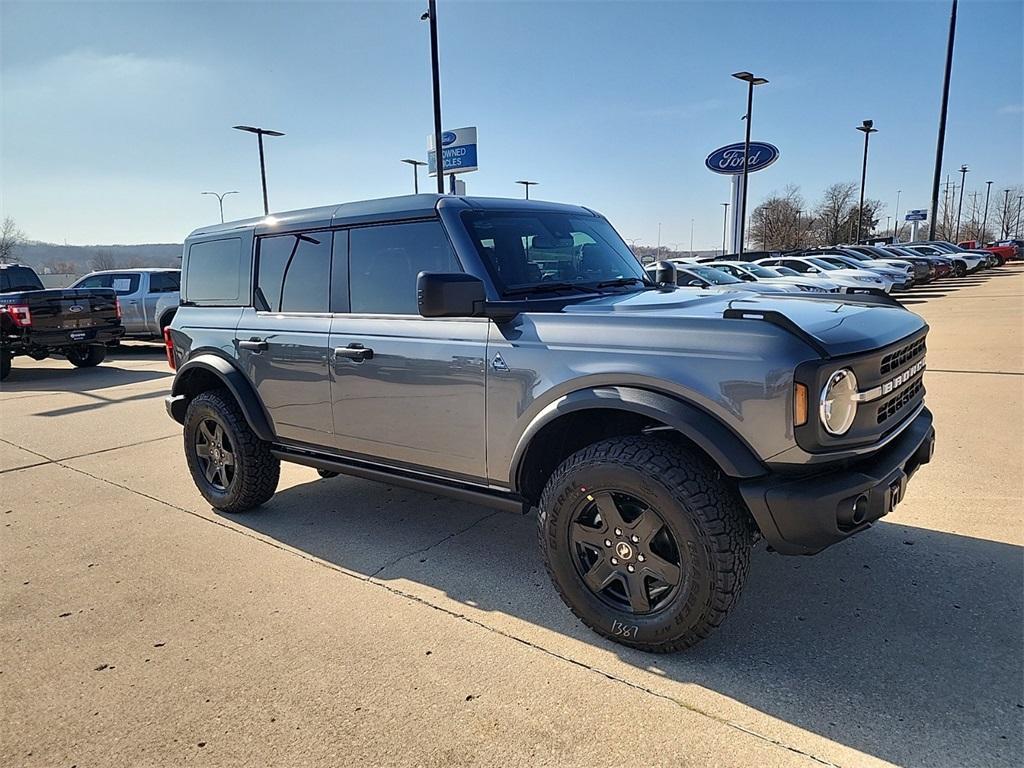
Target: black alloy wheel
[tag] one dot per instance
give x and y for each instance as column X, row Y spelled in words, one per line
column 215, row 454
column 624, row 552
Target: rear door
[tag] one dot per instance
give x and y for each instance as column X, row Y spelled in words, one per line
column 407, row 390
column 283, row 338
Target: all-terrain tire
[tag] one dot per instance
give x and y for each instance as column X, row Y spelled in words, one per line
column 256, row 471
column 87, row 355
column 711, row 526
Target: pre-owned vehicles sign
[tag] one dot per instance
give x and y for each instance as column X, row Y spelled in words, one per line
column 458, row 150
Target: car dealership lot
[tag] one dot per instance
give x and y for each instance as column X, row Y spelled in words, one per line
column 354, row 622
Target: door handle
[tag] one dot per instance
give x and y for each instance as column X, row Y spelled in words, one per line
column 354, row 351
column 256, row 345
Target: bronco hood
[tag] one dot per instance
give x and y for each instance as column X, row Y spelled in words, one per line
column 835, row 325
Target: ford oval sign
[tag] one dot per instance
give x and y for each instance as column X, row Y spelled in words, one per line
column 729, row 159
column 448, row 137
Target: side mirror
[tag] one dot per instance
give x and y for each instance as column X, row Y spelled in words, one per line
column 696, row 283
column 665, row 272
column 813, row 270
column 449, row 294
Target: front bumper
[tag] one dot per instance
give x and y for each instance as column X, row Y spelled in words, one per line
column 175, row 406
column 802, row 516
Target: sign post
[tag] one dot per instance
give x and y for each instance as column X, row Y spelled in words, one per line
column 728, row 161
column 458, row 153
column 915, row 216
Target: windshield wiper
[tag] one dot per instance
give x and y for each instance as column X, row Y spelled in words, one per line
column 624, row 281
column 549, row 288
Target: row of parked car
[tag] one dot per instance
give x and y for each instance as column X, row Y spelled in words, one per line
column 81, row 321
column 879, row 269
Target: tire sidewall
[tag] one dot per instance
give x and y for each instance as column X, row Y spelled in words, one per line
column 200, row 410
column 685, row 608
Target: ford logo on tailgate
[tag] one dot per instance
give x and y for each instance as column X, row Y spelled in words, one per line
column 76, row 308
column 729, row 159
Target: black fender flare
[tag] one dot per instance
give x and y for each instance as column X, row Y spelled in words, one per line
column 732, row 455
column 235, row 382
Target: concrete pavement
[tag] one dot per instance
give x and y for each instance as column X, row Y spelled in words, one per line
column 352, row 622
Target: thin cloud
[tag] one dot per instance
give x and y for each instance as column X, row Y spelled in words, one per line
column 1011, row 109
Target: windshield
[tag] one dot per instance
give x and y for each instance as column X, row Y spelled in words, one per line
column 758, row 271
column 524, row 250
column 712, row 275
column 824, row 265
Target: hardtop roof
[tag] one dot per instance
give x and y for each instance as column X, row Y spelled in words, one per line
column 381, row 210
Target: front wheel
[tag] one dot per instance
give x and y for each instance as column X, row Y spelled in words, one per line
column 87, row 355
column 233, row 469
column 959, row 268
column 644, row 542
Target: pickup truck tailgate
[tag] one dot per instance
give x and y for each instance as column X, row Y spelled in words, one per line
column 69, row 312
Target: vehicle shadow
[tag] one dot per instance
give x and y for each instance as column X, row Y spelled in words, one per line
column 24, row 378
column 903, row 643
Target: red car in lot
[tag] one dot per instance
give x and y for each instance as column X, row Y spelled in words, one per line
column 1004, row 253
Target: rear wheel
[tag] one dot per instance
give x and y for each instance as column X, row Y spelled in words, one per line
column 644, row 542
column 233, row 469
column 87, row 355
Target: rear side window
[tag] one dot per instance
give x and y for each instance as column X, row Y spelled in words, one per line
column 294, row 273
column 123, row 283
column 164, row 282
column 214, row 273
column 385, row 260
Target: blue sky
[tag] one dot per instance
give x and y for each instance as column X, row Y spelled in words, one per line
column 116, row 116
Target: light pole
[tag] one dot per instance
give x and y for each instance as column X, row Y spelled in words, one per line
column 415, row 173
column 984, row 221
column 867, row 128
column 896, row 218
column 1005, row 229
column 725, row 224
column 435, row 73
column 691, row 237
column 960, row 205
column 940, row 143
column 527, row 185
column 1016, row 231
column 751, row 81
column 659, row 235
column 220, row 199
column 260, row 133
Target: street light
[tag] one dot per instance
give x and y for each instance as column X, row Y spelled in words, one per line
column 725, row 224
column 415, row 173
column 435, row 73
column 867, row 128
column 751, row 81
column 1020, row 200
column 941, row 141
column 963, row 182
column 527, row 185
column 220, row 199
column 984, row 221
column 260, row 132
column 691, row 237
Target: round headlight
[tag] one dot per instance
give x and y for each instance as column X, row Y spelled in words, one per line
column 838, row 408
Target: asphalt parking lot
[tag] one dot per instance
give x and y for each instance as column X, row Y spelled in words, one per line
column 353, row 623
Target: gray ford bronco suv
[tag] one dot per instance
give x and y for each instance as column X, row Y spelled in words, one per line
column 515, row 354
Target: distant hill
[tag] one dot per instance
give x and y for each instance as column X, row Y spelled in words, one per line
column 79, row 259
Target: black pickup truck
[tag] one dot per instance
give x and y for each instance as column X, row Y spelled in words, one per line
column 77, row 323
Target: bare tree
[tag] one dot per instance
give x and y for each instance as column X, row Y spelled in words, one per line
column 833, row 214
column 778, row 222
column 102, row 260
column 61, row 267
column 1005, row 222
column 10, row 238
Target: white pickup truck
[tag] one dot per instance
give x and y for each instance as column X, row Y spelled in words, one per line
column 149, row 297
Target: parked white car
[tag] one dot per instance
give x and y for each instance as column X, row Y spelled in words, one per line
column 149, row 297
column 751, row 272
column 858, row 279
column 705, row 276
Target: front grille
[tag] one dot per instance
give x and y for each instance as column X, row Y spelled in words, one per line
column 901, row 357
column 894, row 404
